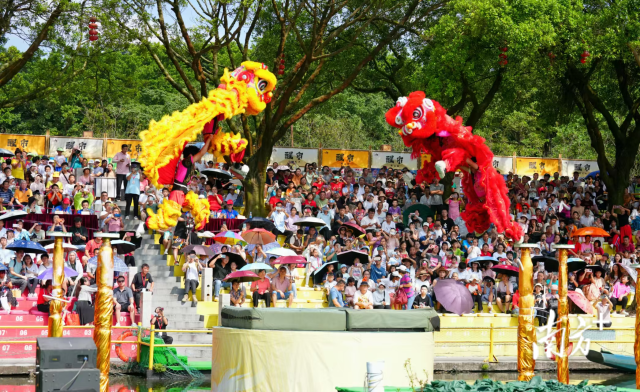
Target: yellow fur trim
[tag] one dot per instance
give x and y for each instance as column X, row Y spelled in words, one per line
column 199, row 209
column 165, row 139
column 168, row 213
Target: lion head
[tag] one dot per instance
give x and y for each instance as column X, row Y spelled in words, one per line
column 415, row 115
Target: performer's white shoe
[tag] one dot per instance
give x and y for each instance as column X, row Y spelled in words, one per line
column 441, row 168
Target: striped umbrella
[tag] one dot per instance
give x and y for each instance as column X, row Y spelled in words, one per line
column 230, row 238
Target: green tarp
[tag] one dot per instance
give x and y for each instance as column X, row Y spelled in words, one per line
column 284, row 319
column 383, row 319
column 331, row 319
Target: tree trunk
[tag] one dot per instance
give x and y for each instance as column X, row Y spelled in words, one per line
column 255, row 180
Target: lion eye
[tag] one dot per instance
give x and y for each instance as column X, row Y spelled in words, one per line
column 417, row 114
column 398, row 120
column 262, row 85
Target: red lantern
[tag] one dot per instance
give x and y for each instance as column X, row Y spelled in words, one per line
column 93, row 19
column 93, row 25
column 583, row 56
column 93, row 38
column 93, row 32
column 504, row 49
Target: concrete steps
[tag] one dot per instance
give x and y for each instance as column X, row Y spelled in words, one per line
column 168, row 294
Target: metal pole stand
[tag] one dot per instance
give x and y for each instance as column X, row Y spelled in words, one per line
column 55, row 309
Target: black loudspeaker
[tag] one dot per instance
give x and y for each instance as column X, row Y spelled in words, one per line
column 66, row 363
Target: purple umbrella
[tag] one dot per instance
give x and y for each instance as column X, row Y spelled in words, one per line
column 48, row 273
column 242, row 276
column 454, row 296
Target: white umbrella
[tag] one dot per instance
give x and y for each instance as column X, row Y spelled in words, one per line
column 281, row 252
column 12, row 214
column 311, row 222
column 65, row 246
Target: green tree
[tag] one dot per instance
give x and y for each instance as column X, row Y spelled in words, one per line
column 598, row 68
column 326, row 45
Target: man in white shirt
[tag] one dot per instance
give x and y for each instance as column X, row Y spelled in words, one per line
column 370, row 202
column 586, row 220
column 463, row 273
column 370, row 222
column 278, row 216
column 388, row 224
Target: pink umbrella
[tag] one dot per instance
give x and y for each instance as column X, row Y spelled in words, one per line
column 258, row 237
column 242, row 276
column 581, row 301
column 630, row 271
column 357, row 230
column 508, row 270
column 290, row 260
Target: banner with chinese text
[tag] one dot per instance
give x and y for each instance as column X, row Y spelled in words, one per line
column 114, row 146
column 583, row 167
column 503, row 164
column 542, row 166
column 91, row 148
column 293, row 156
column 393, row 160
column 28, row 143
column 356, row 159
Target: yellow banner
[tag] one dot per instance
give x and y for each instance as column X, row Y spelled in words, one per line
column 114, row 146
column 28, row 143
column 356, row 159
column 542, row 166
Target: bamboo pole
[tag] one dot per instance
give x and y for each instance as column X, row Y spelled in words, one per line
column 562, row 335
column 56, row 305
column 526, row 331
column 104, row 308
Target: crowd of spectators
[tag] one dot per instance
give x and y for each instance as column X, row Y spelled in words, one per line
column 411, row 255
column 414, row 234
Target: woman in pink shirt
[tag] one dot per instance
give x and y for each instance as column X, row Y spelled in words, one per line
column 115, row 221
column 619, row 294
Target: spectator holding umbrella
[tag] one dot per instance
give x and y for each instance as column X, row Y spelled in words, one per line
column 504, row 293
column 260, row 289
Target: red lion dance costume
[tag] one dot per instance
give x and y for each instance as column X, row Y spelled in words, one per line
column 426, row 127
column 246, row 90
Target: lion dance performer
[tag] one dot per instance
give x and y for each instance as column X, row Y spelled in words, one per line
column 246, row 90
column 426, row 127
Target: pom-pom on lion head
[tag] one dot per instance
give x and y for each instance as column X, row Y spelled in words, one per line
column 260, row 84
column 415, row 115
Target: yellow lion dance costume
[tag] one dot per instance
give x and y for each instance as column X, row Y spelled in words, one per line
column 247, row 90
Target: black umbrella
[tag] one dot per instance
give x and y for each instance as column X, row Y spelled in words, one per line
column 123, row 247
column 594, row 268
column 4, row 153
column 217, row 174
column 550, row 264
column 46, row 241
column 133, row 239
column 319, row 273
column 349, row 257
column 261, row 223
column 236, row 258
